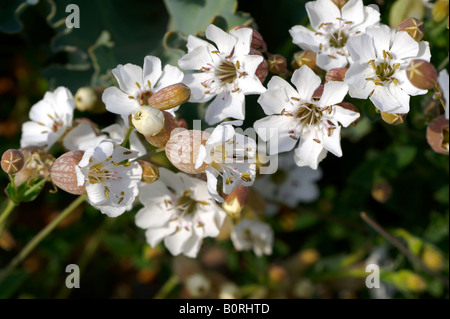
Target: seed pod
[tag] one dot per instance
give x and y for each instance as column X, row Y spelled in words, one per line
column 305, row 58
column 414, row 27
column 63, row 174
column 148, row 120
column 89, row 99
column 150, row 172
column 182, row 150
column 277, row 64
column 257, row 39
column 263, row 68
column 422, row 74
column 160, row 139
column 393, row 118
column 437, row 135
column 337, row 74
column 12, row 161
column 37, row 164
column 235, row 201
column 170, row 96
column 182, row 123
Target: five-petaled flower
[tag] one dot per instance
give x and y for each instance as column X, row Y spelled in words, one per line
column 298, row 115
column 111, row 180
column 252, row 234
column 333, row 27
column 178, row 209
column 226, row 72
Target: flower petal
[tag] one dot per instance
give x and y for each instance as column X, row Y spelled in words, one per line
column 306, row 82
column 333, row 93
column 276, row 129
column 152, row 71
column 225, row 42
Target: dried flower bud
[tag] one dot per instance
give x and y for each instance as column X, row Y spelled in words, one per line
column 440, row 10
column 12, row 161
column 257, row 39
column 382, row 192
column 182, row 123
column 148, row 121
column 307, row 58
column 63, row 174
column 37, row 164
column 170, row 96
column 437, row 135
column 414, row 27
column 160, row 139
column 182, row 150
column 277, row 64
column 263, row 68
column 337, row 74
column 393, row 118
column 89, row 99
column 235, row 201
column 150, row 172
column 340, row 3
column 422, row 74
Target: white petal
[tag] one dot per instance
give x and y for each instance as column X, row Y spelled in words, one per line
column 404, row 46
column 304, row 38
column 332, row 143
column 381, row 38
column 154, row 216
column 244, row 39
column 136, row 144
column 112, row 211
column 175, row 242
column 344, row 116
column 32, row 134
column 118, row 102
column 443, row 81
column 81, row 137
column 424, row 51
column 224, row 41
column 306, row 82
column 171, row 180
column 321, row 11
column 211, row 175
column 224, row 106
column 127, row 76
column 309, row 153
column 103, row 151
column 201, row 157
column 333, row 93
column 152, row 70
column 96, row 193
column 192, row 246
column 353, row 11
column 155, row 235
column 276, row 129
column 196, row 59
column 406, row 85
column 326, row 62
column 194, row 82
column 356, row 77
column 361, row 48
column 194, row 42
column 170, row 75
column 220, row 135
column 385, row 101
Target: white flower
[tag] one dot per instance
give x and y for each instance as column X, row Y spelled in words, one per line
column 137, row 85
column 148, row 120
column 444, row 85
column 178, row 209
column 111, row 184
column 253, row 234
column 226, row 72
column 332, row 29
column 231, row 157
column 118, row 131
column 381, row 57
column 50, row 119
column 290, row 184
column 297, row 115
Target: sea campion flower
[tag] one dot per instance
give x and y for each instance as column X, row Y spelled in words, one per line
column 251, row 234
column 178, row 210
column 444, row 87
column 333, row 27
column 297, row 115
column 230, row 157
column 225, row 71
column 50, row 119
column 381, row 57
column 111, row 181
column 137, row 85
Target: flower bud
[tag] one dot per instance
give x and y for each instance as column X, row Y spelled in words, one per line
column 337, row 74
column 89, row 99
column 263, row 68
column 393, row 118
column 170, row 97
column 432, row 258
column 257, row 39
column 277, row 64
column 305, row 58
column 440, row 10
column 150, row 172
column 12, row 161
column 437, row 135
column 148, row 121
column 183, row 148
column 182, row 123
column 382, row 192
column 235, row 201
column 340, row 3
column 63, row 173
column 422, row 74
column 414, row 27
column 160, row 139
column 198, row 285
column 37, row 164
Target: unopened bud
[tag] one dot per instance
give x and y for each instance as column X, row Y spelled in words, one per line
column 89, row 99
column 263, row 68
column 393, row 118
column 307, row 58
column 440, row 10
column 170, row 96
column 12, row 161
column 437, row 135
column 432, row 258
column 277, row 64
column 198, row 285
column 414, row 27
column 148, row 120
column 422, row 74
column 183, row 148
column 340, row 3
column 150, row 172
column 63, row 173
column 235, row 201
column 257, row 39
column 182, row 123
column 382, row 192
column 337, row 74
column 160, row 139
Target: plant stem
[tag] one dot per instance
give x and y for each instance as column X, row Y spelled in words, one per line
column 443, row 64
column 148, row 154
column 8, row 209
column 168, row 286
column 40, row 236
column 397, row 244
column 127, row 137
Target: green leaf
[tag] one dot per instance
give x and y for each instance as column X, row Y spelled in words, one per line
column 11, row 283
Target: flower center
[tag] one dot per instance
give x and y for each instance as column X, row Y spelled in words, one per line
column 308, row 114
column 384, row 70
column 338, row 39
column 186, row 205
column 143, row 97
column 100, row 172
column 226, row 72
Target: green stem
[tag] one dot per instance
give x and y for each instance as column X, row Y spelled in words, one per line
column 127, row 137
column 168, row 286
column 443, row 64
column 36, row 186
column 40, row 236
column 8, row 209
column 148, row 154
